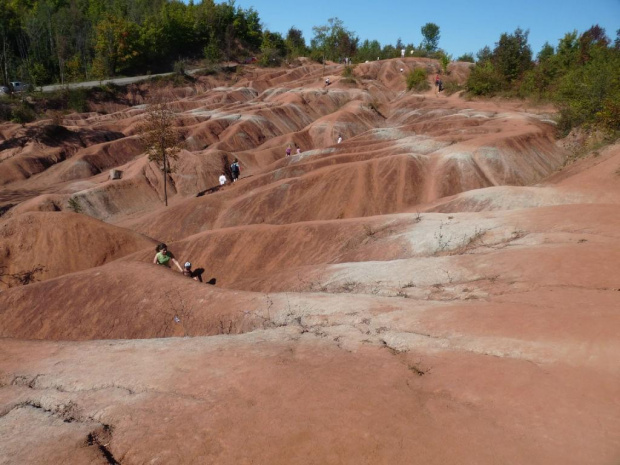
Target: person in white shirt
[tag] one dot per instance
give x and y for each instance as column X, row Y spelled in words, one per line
column 222, row 179
column 339, row 138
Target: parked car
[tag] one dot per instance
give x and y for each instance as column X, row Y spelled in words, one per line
column 19, row 86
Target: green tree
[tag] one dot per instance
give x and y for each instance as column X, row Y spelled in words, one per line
column 389, row 52
column 484, row 79
column 539, row 80
column 431, row 35
column 212, row 51
column 568, row 51
column 273, row 49
column 590, row 93
column 295, row 43
column 248, row 27
column 368, row 51
column 484, row 54
column 444, row 60
column 333, row 41
column 116, row 46
column 546, row 53
column 512, row 55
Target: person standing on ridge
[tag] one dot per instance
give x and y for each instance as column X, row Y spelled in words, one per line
column 163, row 257
column 297, row 149
column 339, row 138
column 288, row 150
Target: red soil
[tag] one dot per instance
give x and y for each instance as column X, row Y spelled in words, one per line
column 437, row 288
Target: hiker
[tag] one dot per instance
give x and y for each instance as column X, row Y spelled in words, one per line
column 288, row 150
column 327, row 82
column 297, row 149
column 222, row 179
column 339, row 138
column 187, row 271
column 440, row 86
column 235, row 170
column 437, row 81
column 163, row 257
column 402, row 53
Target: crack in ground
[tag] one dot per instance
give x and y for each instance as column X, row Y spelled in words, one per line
column 101, row 439
column 31, row 383
column 68, row 413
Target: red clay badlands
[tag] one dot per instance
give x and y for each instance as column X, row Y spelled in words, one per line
column 436, row 288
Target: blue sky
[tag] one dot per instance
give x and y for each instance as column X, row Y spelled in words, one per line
column 465, row 26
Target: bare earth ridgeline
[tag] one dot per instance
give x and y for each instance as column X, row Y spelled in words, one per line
column 438, row 288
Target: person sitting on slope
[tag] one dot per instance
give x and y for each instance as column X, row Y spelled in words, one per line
column 163, row 257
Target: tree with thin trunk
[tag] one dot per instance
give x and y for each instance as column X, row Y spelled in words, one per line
column 161, row 139
column 430, row 32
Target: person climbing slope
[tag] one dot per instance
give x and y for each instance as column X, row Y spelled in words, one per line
column 163, row 257
column 187, row 271
column 288, row 150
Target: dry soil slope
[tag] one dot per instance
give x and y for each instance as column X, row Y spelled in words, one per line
column 62, row 243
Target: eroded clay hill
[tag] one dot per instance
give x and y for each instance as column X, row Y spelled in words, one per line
column 438, row 288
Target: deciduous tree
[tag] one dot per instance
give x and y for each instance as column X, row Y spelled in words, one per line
column 161, row 139
column 430, row 32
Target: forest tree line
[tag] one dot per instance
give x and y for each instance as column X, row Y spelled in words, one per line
column 62, row 41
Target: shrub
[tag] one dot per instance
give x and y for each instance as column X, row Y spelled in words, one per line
column 74, row 205
column 416, row 80
column 347, row 75
column 77, row 100
column 23, row 114
column 450, row 87
column 468, row 57
column 212, row 52
column 445, row 61
column 484, row 80
column 5, row 112
column 590, row 93
column 209, row 70
column 180, row 67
